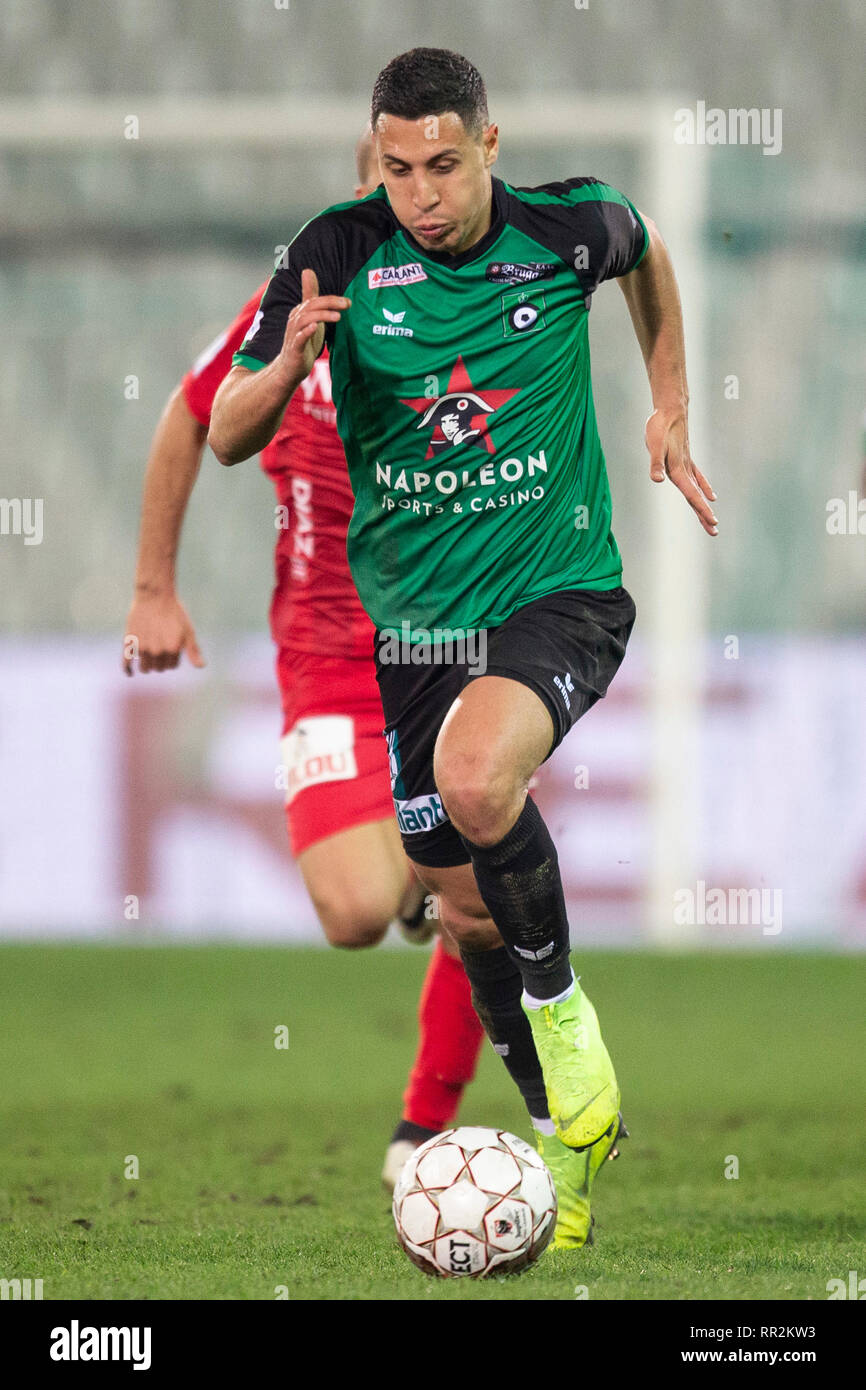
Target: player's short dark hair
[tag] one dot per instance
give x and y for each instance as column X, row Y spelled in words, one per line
column 429, row 82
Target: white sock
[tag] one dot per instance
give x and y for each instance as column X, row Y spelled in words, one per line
column 543, row 1126
column 532, row 1003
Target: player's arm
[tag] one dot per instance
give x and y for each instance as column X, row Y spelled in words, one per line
column 249, row 405
column 654, row 304
column 158, row 628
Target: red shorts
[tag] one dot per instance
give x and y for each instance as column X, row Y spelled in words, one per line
column 334, row 755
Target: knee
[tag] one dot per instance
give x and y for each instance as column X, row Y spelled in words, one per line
column 481, row 799
column 352, row 921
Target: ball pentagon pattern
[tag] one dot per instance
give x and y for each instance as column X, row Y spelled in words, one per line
column 474, row 1201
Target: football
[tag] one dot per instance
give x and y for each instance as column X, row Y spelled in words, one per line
column 474, row 1202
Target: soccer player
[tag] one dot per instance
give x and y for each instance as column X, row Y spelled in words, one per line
column 339, row 811
column 455, row 310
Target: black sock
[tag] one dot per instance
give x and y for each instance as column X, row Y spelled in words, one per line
column 496, row 988
column 416, row 1134
column 519, row 880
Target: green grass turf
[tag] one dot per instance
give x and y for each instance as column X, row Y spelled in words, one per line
column 260, row 1167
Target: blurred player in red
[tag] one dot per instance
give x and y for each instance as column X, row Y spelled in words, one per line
column 339, row 810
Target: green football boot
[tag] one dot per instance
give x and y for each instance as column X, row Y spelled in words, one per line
column 578, row 1074
column 574, row 1173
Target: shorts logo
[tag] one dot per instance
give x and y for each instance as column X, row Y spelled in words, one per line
column 565, row 687
column 419, row 813
column 519, row 273
column 385, row 275
column 320, row 748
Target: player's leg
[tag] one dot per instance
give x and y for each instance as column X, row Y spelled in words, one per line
column 357, row 879
column 527, row 651
column 547, row 665
column 494, row 737
column 339, row 812
column 343, row 834
column 415, row 699
column 497, row 987
column 346, row 841
column 495, row 981
column 449, row 1039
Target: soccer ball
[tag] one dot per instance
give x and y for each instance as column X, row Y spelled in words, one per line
column 474, row 1201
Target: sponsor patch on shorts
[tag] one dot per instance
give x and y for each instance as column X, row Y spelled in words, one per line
column 419, row 813
column 320, row 748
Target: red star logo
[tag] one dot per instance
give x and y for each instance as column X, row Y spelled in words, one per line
column 459, row 416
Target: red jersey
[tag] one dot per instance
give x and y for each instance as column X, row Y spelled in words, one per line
column 315, row 609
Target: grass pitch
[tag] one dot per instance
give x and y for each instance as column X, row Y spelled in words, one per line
column 259, row 1166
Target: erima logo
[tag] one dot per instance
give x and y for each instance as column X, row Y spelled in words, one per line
column 519, row 273
column 75, row 1343
column 566, row 688
column 392, row 328
column 384, row 275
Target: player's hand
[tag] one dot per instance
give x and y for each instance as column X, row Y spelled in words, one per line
column 667, row 438
column 305, row 330
column 157, row 630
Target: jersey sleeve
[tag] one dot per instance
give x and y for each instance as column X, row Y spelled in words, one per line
column 203, row 379
column 588, row 224
column 616, row 237
column 318, row 247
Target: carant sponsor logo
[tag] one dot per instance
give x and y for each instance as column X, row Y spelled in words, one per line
column 408, row 274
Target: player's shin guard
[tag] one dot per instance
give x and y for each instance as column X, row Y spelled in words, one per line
column 496, row 989
column 519, row 880
column 449, row 1039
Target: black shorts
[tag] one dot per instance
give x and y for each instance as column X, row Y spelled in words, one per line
column 566, row 647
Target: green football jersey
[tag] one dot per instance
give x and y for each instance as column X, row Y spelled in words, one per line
column 464, row 400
